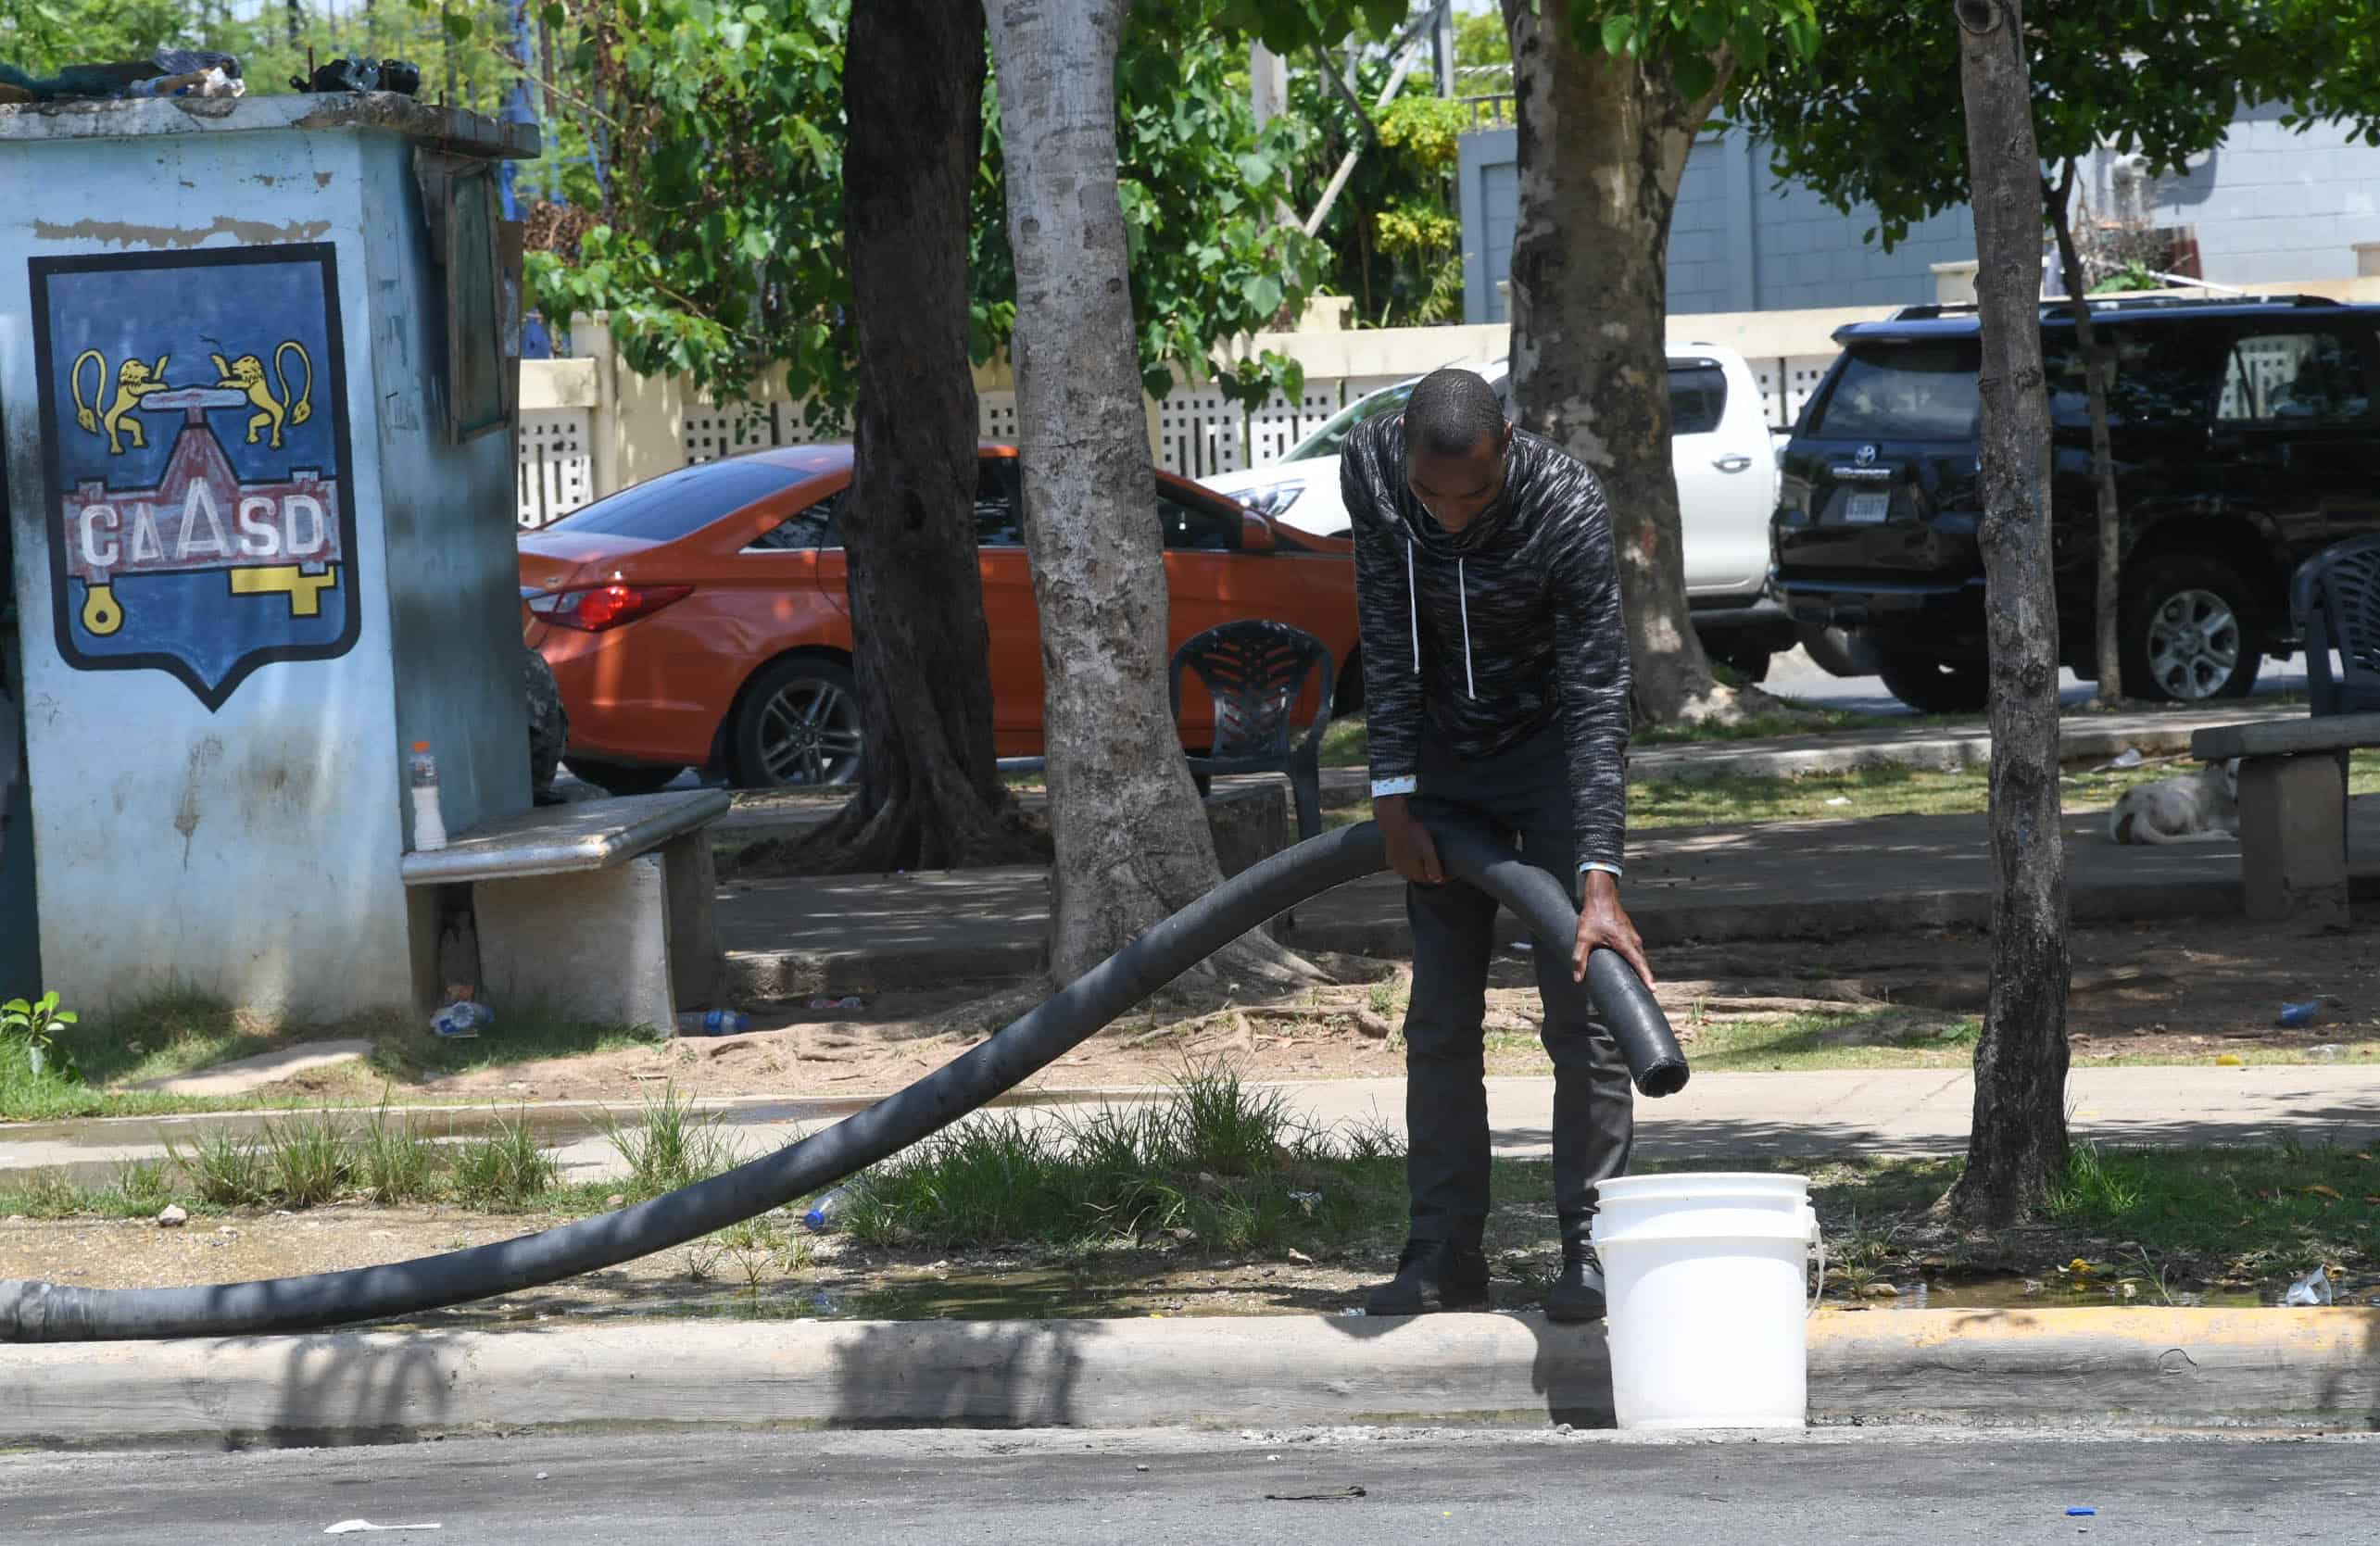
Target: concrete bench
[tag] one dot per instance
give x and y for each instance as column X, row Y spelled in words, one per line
column 2292, row 809
column 599, row 910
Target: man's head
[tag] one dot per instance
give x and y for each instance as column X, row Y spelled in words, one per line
column 1455, row 438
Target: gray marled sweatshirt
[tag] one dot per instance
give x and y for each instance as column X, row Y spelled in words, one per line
column 1479, row 640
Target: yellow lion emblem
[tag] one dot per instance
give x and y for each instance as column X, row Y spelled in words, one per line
column 248, row 375
column 136, row 380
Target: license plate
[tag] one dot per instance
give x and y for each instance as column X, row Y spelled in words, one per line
column 1867, row 509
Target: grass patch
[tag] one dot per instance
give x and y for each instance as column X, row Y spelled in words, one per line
column 308, row 1160
column 180, row 1032
column 163, row 1034
column 142, row 1188
column 229, row 1170
column 505, row 1168
column 43, row 1194
column 1732, row 799
column 1219, row 1168
column 396, row 1160
column 1805, row 719
column 2283, row 1207
column 669, row 1147
column 521, row 1036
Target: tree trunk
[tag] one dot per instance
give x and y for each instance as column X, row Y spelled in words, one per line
column 2099, row 372
column 929, row 795
column 2016, row 1149
column 1132, row 840
column 1603, row 143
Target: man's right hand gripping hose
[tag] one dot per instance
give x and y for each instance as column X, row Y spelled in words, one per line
column 32, row 1312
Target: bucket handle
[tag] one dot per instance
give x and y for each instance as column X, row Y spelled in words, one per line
column 1818, row 1239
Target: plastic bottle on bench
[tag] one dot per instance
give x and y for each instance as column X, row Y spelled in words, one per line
column 429, row 825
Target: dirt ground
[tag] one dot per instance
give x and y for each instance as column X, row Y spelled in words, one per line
column 2171, row 991
column 829, row 1277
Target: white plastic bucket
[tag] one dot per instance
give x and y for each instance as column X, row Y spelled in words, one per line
column 1707, row 1276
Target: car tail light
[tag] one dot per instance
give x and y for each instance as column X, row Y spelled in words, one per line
column 599, row 608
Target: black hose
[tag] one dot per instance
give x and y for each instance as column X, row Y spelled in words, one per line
column 32, row 1312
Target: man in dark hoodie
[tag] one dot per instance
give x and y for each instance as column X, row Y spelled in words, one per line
column 1495, row 686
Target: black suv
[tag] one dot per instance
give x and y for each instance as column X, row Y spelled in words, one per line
column 2244, row 439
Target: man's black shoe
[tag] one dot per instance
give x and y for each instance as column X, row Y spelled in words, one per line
column 1578, row 1293
column 1432, row 1275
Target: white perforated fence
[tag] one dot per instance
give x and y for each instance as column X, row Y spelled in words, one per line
column 557, row 472
column 1786, row 383
column 1199, row 430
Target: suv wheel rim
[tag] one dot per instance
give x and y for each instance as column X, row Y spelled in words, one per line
column 2193, row 645
column 810, row 735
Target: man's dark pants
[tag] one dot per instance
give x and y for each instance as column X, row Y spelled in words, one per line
column 1521, row 796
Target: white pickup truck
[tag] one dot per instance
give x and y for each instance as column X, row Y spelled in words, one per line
column 1726, row 467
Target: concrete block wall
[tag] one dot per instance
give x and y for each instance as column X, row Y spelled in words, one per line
column 2269, row 205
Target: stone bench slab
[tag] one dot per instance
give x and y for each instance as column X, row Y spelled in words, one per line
column 562, row 839
column 2294, row 737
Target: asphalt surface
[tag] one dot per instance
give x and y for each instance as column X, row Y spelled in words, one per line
column 1794, row 674
column 1498, row 1487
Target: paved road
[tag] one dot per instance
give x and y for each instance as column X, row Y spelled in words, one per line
column 1795, row 674
column 1057, row 1488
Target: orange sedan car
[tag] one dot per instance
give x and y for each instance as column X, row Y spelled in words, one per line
column 699, row 620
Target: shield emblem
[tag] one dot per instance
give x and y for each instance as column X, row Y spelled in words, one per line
column 194, row 426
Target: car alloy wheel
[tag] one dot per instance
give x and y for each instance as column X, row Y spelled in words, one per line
column 2194, row 644
column 810, row 734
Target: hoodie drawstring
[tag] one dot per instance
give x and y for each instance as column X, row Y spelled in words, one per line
column 1463, row 599
column 1413, row 613
column 1413, row 606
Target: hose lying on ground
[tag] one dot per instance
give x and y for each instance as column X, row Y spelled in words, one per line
column 32, row 1312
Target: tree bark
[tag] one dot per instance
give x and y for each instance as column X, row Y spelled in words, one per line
column 2016, row 1149
column 1132, row 840
column 1603, row 143
column 2099, row 372
column 929, row 795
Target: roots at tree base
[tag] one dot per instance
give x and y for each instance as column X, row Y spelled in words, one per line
column 32, row 1312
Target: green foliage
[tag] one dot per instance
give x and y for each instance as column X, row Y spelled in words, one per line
column 1866, row 119
column 1203, row 191
column 2132, row 276
column 1481, row 43
column 720, row 265
column 1428, row 128
column 1395, row 243
column 37, row 1023
column 1702, row 44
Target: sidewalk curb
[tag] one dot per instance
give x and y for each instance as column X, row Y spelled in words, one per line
column 2181, row 1367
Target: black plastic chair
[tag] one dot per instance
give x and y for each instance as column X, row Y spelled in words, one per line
column 1256, row 671
column 2334, row 599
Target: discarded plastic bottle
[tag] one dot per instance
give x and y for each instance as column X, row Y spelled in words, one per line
column 826, row 1211
column 2311, row 1289
column 429, row 826
column 717, row 1022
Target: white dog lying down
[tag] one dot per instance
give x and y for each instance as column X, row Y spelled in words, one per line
column 2203, row 807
